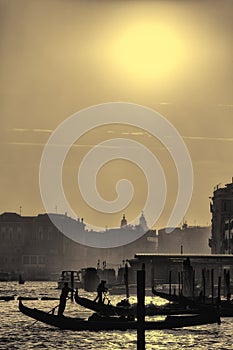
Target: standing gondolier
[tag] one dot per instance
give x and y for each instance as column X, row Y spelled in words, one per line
column 101, row 289
column 63, row 297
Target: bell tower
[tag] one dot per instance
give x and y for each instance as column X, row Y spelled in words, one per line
column 123, row 221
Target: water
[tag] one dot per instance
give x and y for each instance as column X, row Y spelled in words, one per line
column 20, row 332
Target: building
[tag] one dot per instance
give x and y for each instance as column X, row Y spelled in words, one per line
column 33, row 247
column 221, row 207
column 187, row 239
column 164, row 265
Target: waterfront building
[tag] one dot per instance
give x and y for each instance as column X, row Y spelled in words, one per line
column 221, row 207
column 164, row 265
column 187, row 239
column 33, row 247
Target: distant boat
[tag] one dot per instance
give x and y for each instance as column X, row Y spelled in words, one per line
column 7, row 297
column 21, row 280
column 66, row 277
column 98, row 323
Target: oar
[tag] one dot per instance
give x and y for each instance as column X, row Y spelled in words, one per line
column 48, row 312
column 107, row 298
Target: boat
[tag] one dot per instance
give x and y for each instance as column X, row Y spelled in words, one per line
column 126, row 309
column 27, row 298
column 180, row 301
column 67, row 276
column 101, row 323
column 105, row 309
column 7, row 297
column 21, row 280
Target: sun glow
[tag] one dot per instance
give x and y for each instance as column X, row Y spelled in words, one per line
column 149, row 51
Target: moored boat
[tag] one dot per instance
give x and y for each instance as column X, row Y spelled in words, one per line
column 225, row 307
column 131, row 309
column 97, row 323
column 173, row 297
column 73, row 278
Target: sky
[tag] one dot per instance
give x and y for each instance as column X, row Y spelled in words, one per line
column 60, row 56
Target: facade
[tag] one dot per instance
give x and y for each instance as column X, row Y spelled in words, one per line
column 221, row 207
column 187, row 239
column 33, row 247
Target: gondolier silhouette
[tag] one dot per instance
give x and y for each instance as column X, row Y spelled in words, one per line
column 101, row 289
column 63, row 297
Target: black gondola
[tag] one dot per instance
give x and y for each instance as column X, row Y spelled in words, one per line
column 105, row 309
column 97, row 323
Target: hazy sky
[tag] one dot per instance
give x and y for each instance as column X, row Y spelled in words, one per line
column 59, row 56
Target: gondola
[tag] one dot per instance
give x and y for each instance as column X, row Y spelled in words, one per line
column 225, row 307
column 180, row 299
column 101, row 323
column 131, row 310
column 7, row 297
column 105, row 309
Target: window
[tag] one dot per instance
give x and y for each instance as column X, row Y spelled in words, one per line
column 41, row 259
column 25, row 259
column 33, row 259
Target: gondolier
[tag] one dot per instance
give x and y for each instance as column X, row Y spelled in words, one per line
column 101, row 289
column 63, row 297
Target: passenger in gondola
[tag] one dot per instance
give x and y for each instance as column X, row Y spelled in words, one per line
column 101, row 290
column 63, row 297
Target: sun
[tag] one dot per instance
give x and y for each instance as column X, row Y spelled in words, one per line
column 148, row 51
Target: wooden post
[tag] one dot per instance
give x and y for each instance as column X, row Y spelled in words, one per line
column 212, row 285
column 152, row 277
column 170, row 283
column 224, row 282
column 141, row 344
column 72, row 285
column 179, row 282
column 193, row 285
column 126, row 277
column 219, row 290
column 203, row 284
column 228, row 285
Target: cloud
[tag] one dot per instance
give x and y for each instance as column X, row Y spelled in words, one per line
column 31, row 130
column 204, row 138
column 58, row 145
column 225, row 105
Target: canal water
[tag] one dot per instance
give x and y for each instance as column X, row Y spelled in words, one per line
column 18, row 331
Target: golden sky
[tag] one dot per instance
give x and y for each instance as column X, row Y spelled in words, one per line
column 59, row 56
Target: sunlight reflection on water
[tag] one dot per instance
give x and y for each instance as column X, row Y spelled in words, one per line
column 18, row 331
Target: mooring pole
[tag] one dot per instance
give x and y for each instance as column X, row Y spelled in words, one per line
column 126, row 278
column 219, row 290
column 170, row 283
column 141, row 344
column 179, row 282
column 193, row 285
column 152, row 277
column 212, row 285
column 72, row 285
column 203, row 284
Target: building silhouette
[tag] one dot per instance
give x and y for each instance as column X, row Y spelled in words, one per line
column 33, row 247
column 221, row 207
column 187, row 239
